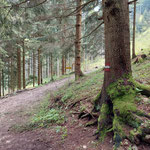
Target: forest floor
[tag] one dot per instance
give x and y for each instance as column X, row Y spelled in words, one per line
column 66, row 131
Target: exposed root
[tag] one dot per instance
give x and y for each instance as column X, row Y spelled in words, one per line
column 122, row 112
column 145, row 89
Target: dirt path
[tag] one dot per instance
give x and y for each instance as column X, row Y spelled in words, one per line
column 12, row 111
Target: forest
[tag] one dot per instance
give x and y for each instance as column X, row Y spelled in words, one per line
column 74, row 75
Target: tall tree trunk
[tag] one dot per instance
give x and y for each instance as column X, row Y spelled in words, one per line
column 39, row 66
column 34, row 68
column 0, row 83
column 29, row 67
column 19, row 68
column 46, row 66
column 117, row 52
column 117, row 86
column 58, row 67
column 12, row 76
column 63, row 65
column 134, row 25
column 9, row 64
column 78, row 71
column 3, row 83
column 49, row 64
column 24, row 80
column 51, row 58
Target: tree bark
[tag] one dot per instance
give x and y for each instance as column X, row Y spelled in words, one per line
column 3, row 83
column 0, row 83
column 117, row 52
column 117, row 69
column 51, row 55
column 24, row 80
column 39, row 66
column 34, row 68
column 9, row 64
column 78, row 72
column 63, row 65
column 134, row 25
column 46, row 66
column 29, row 67
column 19, row 68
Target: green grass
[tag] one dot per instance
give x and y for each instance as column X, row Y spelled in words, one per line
column 141, row 71
column 87, row 86
column 142, row 42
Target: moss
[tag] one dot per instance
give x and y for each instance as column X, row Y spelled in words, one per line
column 96, row 102
column 102, row 121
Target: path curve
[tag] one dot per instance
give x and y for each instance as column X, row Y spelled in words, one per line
column 10, row 110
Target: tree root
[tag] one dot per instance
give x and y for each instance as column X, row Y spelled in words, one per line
column 145, row 89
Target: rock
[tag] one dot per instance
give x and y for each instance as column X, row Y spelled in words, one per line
column 84, row 146
column 125, row 142
column 134, row 147
column 147, row 139
column 146, row 100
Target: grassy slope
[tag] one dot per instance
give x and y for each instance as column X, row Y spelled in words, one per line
column 142, row 42
column 64, row 105
column 82, row 93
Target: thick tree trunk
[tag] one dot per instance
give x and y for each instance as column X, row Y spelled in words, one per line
column 78, row 72
column 39, row 66
column 24, row 80
column 117, row 95
column 134, row 25
column 19, row 68
column 34, row 68
column 117, row 52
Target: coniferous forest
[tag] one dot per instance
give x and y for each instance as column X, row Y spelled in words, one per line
column 74, row 75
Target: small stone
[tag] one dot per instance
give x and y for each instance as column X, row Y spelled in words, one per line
column 147, row 139
column 146, row 100
column 8, row 141
column 84, row 146
column 134, row 147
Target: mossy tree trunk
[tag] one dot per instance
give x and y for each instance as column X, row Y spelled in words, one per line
column 116, row 102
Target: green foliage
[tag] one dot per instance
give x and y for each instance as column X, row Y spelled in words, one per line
column 46, row 117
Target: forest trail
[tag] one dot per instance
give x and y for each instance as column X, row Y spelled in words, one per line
column 14, row 109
